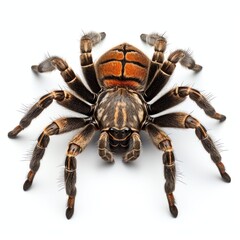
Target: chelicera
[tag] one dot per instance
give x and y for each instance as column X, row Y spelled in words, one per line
column 121, row 84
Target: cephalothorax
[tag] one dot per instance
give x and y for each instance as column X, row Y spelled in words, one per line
column 122, row 83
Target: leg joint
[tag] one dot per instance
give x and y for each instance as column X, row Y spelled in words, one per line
column 165, row 145
column 73, row 150
column 183, row 91
column 158, row 57
column 70, row 164
column 43, row 140
column 176, row 56
column 59, row 95
column 59, row 63
column 68, row 75
column 191, row 122
column 201, row 133
column 86, row 59
column 51, row 129
column 168, row 67
column 168, row 159
column 47, row 99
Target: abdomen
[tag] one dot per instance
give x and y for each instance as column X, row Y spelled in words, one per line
column 123, row 66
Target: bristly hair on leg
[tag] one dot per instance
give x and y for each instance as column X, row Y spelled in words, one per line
column 60, row 179
column 187, row 60
column 220, row 146
column 208, row 95
column 179, row 178
column 152, row 38
column 47, row 55
column 26, row 157
column 179, row 172
column 83, row 33
column 24, row 108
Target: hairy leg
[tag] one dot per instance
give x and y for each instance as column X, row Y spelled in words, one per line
column 183, row 120
column 59, row 126
column 63, row 98
column 76, row 146
column 73, row 81
column 179, row 94
column 159, row 43
column 87, row 42
column 160, row 72
column 163, row 142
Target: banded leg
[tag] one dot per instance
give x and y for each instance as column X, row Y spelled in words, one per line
column 59, row 126
column 73, row 81
column 182, row 120
column 104, row 149
column 87, row 42
column 179, row 94
column 159, row 43
column 163, row 142
column 134, row 152
column 63, row 98
column 76, row 146
column 163, row 75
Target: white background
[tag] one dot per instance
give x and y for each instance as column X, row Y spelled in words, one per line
column 119, row 201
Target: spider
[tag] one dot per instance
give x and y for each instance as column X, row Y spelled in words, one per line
column 121, row 84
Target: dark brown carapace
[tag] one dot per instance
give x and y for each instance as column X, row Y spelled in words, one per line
column 122, row 83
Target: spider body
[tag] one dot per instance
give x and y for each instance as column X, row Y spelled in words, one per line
column 122, row 83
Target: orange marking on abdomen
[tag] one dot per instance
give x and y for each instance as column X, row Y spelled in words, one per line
column 113, row 68
column 132, row 70
column 121, row 83
column 137, row 57
column 112, row 55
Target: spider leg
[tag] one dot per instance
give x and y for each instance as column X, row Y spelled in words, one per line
column 76, row 146
column 87, row 42
column 73, row 81
column 64, row 98
column 179, row 94
column 103, row 148
column 159, row 43
column 59, row 126
column 183, row 120
column 134, row 152
column 163, row 142
column 163, row 73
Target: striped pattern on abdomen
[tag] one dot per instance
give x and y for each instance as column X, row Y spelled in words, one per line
column 123, row 66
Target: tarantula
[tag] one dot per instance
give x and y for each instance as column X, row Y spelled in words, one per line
column 122, row 83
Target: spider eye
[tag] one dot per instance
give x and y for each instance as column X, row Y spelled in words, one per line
column 113, row 130
column 125, row 131
column 120, row 134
